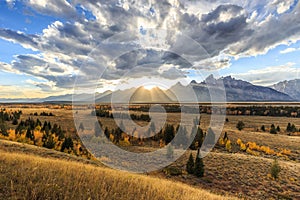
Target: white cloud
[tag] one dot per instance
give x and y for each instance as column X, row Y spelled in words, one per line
column 270, row 75
column 53, row 7
column 289, row 50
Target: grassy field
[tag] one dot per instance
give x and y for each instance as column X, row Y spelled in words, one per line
column 32, row 175
column 244, row 176
column 234, row 173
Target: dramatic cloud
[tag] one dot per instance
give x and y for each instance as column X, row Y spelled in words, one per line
column 122, row 39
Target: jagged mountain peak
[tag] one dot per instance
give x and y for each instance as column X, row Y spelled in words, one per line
column 289, row 87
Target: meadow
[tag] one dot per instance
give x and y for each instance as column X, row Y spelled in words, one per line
column 32, row 175
column 242, row 171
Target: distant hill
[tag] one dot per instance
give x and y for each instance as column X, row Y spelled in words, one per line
column 291, row 88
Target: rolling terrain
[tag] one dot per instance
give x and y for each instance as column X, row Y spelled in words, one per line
column 28, row 172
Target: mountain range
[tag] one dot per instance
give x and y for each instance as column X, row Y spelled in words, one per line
column 211, row 89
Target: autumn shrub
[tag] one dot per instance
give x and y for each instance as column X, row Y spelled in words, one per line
column 228, row 146
column 275, row 169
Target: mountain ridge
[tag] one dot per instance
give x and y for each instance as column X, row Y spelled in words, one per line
column 236, row 90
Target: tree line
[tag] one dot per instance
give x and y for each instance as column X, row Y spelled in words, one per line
column 108, row 114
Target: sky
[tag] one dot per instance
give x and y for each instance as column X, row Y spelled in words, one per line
column 50, row 47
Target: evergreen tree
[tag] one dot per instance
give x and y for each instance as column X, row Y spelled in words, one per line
column 273, row 129
column 199, row 137
column 190, row 165
column 170, row 151
column 44, row 126
column 293, row 128
column 55, row 129
column 48, row 141
column 60, row 133
column 289, row 127
column 38, row 123
column 3, row 128
column 225, row 138
column 15, row 121
column 199, row 166
column 29, row 134
column 117, row 135
column 240, row 125
column 106, row 132
column 278, row 129
column 81, row 127
column 67, row 144
column 49, row 125
column 210, row 136
column 97, row 129
column 169, row 133
column 181, row 137
column 47, row 130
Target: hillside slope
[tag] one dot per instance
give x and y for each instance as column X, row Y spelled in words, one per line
column 41, row 174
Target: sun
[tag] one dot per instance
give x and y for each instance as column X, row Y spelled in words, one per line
column 149, row 87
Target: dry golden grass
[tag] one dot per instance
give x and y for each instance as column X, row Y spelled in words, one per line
column 26, row 176
column 239, row 174
column 242, row 175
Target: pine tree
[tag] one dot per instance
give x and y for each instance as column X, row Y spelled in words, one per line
column 289, row 128
column 169, row 133
column 210, row 136
column 181, row 137
column 273, row 129
column 106, row 132
column 225, row 138
column 44, row 126
column 38, row 123
column 48, row 140
column 199, row 137
column 49, row 125
column 199, row 166
column 170, row 151
column 67, row 144
column 97, row 129
column 293, row 128
column 29, row 134
column 278, row 129
column 81, row 127
column 190, row 164
column 15, row 121
column 117, row 135
column 60, row 133
column 240, row 125
column 3, row 128
column 263, row 128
